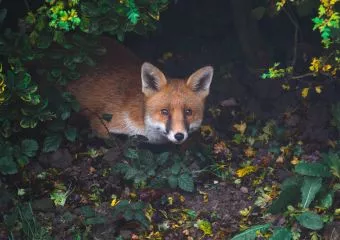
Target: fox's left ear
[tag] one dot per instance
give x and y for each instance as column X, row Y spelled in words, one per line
column 200, row 80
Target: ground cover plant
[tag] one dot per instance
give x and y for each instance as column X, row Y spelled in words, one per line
column 264, row 165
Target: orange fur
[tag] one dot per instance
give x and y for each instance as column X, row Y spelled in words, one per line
column 137, row 94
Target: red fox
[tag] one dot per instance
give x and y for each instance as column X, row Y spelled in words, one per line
column 141, row 100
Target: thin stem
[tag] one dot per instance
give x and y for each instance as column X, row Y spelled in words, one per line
column 27, row 5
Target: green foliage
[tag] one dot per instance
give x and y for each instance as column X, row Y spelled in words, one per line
column 157, row 170
column 22, row 218
column 131, row 211
column 281, row 234
column 310, row 220
column 58, row 38
column 327, row 22
column 91, row 217
column 13, row 156
column 312, row 181
column 251, row 233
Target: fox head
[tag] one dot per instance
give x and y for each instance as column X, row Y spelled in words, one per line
column 174, row 108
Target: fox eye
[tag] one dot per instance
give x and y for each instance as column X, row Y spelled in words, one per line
column 165, row 112
column 188, row 112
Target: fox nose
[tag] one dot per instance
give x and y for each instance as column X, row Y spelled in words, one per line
column 179, row 136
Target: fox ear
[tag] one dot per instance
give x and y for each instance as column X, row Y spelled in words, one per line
column 200, row 80
column 153, row 79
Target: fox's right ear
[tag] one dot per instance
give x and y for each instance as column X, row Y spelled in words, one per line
column 153, row 79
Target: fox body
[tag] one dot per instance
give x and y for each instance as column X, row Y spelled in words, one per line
column 141, row 100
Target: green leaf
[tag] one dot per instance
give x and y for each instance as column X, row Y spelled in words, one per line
column 162, row 158
column 327, row 200
column 140, row 217
column 95, row 220
column 131, row 173
column 52, row 143
column 71, row 134
column 333, row 161
column 176, row 168
column 281, row 234
column 131, row 153
column 289, row 195
column 87, row 211
column 250, row 234
column 22, row 160
column 310, row 187
column 29, row 147
column 310, row 220
column 7, row 165
column 313, row 169
column 186, row 183
column 173, row 181
column 28, row 122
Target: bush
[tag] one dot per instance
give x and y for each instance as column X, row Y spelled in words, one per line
column 57, row 37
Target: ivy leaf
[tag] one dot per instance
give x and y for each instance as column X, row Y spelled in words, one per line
column 310, row 220
column 29, row 147
column 281, row 234
column 186, row 183
column 310, row 187
column 251, row 233
column 52, row 143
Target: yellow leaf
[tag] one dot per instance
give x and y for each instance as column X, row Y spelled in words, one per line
column 294, row 161
column 114, row 201
column 205, row 196
column 326, row 67
column 245, row 171
column 318, row 89
column 304, row 92
column 167, row 55
column 246, row 211
column 285, row 86
column 170, row 200
column 241, row 127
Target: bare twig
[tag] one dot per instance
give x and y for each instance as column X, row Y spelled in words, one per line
column 297, row 28
column 27, row 5
column 302, row 76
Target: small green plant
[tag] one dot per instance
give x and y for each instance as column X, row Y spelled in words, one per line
column 23, row 218
column 146, row 169
column 131, row 211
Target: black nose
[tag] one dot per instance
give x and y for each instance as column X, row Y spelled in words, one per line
column 179, row 136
